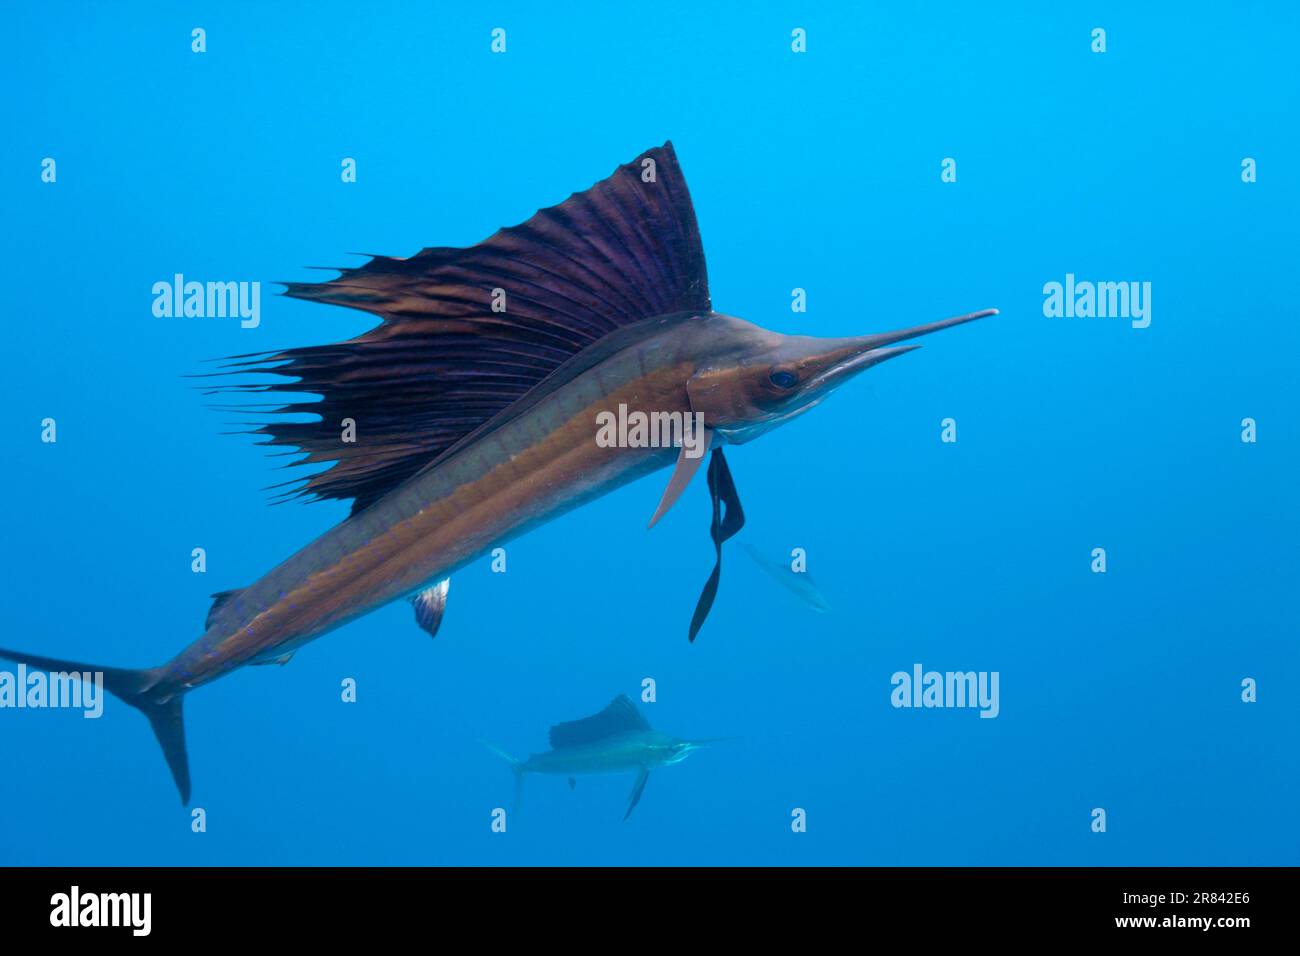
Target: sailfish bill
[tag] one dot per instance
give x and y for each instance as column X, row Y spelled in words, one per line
column 478, row 423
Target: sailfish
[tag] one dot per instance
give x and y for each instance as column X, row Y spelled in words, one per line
column 474, row 403
column 619, row 738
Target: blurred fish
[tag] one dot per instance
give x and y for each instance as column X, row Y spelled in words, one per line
column 619, row 738
column 799, row 583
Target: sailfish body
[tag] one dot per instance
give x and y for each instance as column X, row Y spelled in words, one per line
column 476, row 403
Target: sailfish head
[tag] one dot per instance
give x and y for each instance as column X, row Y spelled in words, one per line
column 757, row 380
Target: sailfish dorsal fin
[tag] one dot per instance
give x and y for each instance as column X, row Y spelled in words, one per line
column 466, row 332
column 620, row 717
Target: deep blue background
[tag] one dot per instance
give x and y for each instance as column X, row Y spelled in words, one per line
column 819, row 171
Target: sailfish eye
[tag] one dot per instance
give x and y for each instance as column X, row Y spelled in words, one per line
column 783, row 379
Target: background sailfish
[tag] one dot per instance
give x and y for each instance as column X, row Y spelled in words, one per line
column 618, row 739
column 474, row 426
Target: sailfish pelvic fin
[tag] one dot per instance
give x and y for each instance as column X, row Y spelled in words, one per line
column 725, row 524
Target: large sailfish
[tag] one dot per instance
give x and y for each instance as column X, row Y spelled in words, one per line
column 476, row 401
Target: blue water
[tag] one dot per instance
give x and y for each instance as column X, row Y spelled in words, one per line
column 1119, row 691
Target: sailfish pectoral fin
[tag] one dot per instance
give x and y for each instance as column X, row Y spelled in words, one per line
column 637, row 789
column 723, row 492
column 685, row 470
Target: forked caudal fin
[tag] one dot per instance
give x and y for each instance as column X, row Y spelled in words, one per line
column 139, row 688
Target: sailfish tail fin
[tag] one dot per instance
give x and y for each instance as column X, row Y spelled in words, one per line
column 516, row 767
column 140, row 689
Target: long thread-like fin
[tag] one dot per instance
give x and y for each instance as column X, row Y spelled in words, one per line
column 140, row 689
column 723, row 491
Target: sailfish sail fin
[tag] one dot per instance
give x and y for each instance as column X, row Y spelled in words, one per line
column 466, row 332
column 620, row 717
